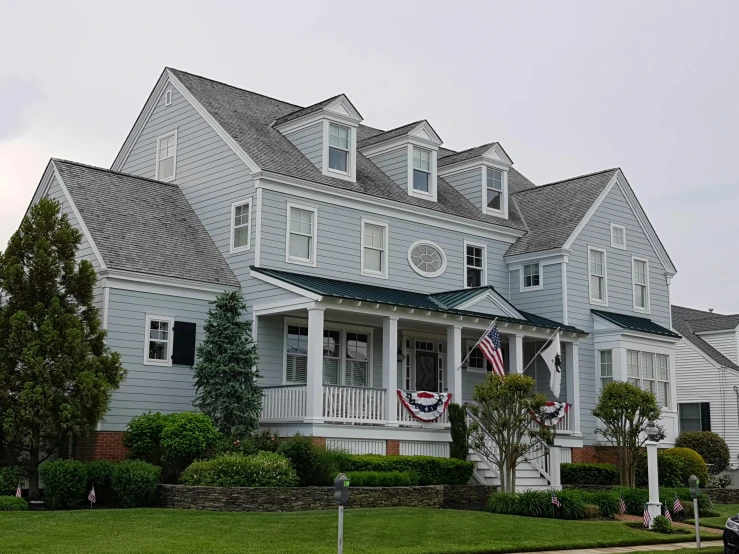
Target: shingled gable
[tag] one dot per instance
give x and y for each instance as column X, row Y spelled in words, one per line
column 142, row 225
column 689, row 322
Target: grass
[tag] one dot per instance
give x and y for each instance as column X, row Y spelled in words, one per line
column 725, row 511
column 377, row 531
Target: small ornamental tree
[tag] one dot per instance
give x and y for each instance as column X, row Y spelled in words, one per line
column 226, row 371
column 503, row 432
column 460, row 433
column 624, row 411
column 56, row 374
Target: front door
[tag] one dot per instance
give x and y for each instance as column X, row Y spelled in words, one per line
column 427, row 371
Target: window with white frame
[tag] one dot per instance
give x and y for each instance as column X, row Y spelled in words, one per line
column 618, row 236
column 167, row 156
column 695, row 416
column 158, row 344
column 296, row 358
column 421, row 170
column 494, row 189
column 643, row 373
column 338, row 148
column 301, row 239
column 331, row 357
column 597, row 263
column 606, row 368
column 531, row 276
column 427, row 258
column 641, row 284
column 474, row 265
column 240, row 225
column 357, row 359
column 374, row 249
column 476, row 362
column 663, row 380
column 168, row 98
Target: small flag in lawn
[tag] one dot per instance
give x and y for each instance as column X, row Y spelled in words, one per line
column 18, row 491
column 647, row 517
column 91, row 497
column 621, row 505
column 667, row 513
column 556, row 501
column 677, row 505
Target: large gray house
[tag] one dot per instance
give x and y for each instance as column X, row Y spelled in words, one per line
column 371, row 262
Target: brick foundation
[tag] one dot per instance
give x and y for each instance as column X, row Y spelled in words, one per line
column 319, row 442
column 101, row 445
column 594, row 455
column 392, row 448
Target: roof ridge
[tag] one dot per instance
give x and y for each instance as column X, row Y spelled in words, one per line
column 314, row 104
column 539, row 187
column 107, row 170
column 391, row 130
column 468, row 149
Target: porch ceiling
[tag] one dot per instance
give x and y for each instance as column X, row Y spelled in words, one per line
column 394, row 297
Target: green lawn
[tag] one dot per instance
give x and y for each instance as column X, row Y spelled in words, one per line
column 725, row 511
column 379, row 531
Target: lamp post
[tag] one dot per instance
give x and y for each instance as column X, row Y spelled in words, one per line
column 654, row 506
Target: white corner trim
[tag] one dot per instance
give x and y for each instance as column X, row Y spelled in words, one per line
column 589, row 214
column 647, row 309
column 484, row 261
column 604, row 302
column 234, row 249
column 258, row 227
column 386, row 240
column 623, row 229
column 168, row 361
column 287, row 286
column 80, row 221
column 174, row 161
column 106, row 303
column 565, row 310
column 522, row 284
column 438, row 249
column 314, row 236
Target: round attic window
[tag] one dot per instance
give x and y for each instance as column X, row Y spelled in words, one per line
column 427, row 258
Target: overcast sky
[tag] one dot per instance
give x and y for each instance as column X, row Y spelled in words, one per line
column 566, row 87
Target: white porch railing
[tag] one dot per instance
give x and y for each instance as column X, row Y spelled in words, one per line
column 284, row 403
column 563, row 425
column 353, row 404
column 406, row 419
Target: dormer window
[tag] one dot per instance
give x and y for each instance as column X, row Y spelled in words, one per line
column 421, row 169
column 338, row 148
column 495, row 189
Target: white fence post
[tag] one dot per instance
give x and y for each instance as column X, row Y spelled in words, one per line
column 555, row 460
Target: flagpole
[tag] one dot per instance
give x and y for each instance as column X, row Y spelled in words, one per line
column 550, row 339
column 478, row 342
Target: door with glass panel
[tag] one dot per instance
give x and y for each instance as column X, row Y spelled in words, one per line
column 426, row 371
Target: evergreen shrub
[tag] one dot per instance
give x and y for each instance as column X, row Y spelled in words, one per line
column 135, row 483
column 65, row 483
column 590, row 474
column 712, row 448
column 264, row 469
column 12, row 504
column 430, row 470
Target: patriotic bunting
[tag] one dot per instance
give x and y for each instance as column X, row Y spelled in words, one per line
column 425, row 406
column 551, row 413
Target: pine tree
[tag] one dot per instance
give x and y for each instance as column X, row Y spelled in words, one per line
column 226, row 372
column 56, row 373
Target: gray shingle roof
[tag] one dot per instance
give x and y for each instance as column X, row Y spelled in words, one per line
column 144, row 225
column 247, row 117
column 688, row 321
column 306, row 111
column 388, row 135
column 553, row 211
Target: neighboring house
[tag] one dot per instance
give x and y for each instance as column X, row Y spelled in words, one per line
column 370, row 261
column 707, row 374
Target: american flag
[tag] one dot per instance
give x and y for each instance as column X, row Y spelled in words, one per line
column 91, row 497
column 556, row 501
column 667, row 513
column 490, row 347
column 621, row 505
column 18, row 491
column 677, row 505
column 647, row 517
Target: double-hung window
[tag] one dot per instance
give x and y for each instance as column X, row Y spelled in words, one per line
column 240, row 225
column 338, row 148
column 606, row 368
column 651, row 373
column 494, row 189
column 166, row 156
column 357, row 359
column 663, row 380
column 296, row 356
column 374, row 249
column 331, row 357
column 158, row 343
column 301, row 235
column 531, row 276
column 641, row 284
column 598, row 283
column 421, row 170
column 474, row 265
column 695, row 416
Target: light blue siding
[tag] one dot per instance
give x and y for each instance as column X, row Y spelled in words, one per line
column 469, row 183
column 395, row 165
column 310, row 142
column 148, row 387
column 546, row 302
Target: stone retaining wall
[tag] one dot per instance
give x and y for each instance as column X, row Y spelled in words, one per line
column 723, row 496
column 467, row 496
column 267, row 499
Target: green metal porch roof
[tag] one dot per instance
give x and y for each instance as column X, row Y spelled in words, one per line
column 634, row 323
column 397, row 297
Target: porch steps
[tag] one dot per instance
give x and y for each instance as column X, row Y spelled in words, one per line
column 527, row 476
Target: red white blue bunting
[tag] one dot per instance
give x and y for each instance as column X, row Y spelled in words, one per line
column 551, row 413
column 425, row 406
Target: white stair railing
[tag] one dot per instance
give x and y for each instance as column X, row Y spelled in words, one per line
column 489, row 444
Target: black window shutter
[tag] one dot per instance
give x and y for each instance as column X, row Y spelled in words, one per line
column 183, row 349
column 706, row 416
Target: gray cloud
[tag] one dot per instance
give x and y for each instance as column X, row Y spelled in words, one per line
column 15, row 95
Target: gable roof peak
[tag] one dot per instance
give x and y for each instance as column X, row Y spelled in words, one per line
column 328, row 104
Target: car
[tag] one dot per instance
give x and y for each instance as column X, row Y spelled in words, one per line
column 731, row 535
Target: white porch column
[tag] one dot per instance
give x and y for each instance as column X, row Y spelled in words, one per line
column 555, row 462
column 314, row 380
column 572, row 353
column 515, row 354
column 390, row 368
column 453, row 361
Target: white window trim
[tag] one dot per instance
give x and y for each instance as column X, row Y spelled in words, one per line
column 647, row 308
column 432, row 193
column 623, row 229
column 598, row 374
column 235, row 249
column 168, row 97
column 468, row 344
column 168, row 361
column 351, row 173
column 343, row 330
column 441, row 270
column 301, row 261
column 540, row 286
column 597, row 302
column 503, row 212
column 174, row 162
column 369, row 273
column 484, row 280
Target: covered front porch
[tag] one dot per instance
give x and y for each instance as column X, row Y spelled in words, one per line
column 337, row 363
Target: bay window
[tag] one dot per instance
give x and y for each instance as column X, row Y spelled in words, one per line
column 606, row 368
column 650, row 372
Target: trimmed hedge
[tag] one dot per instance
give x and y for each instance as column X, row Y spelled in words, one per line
column 636, row 498
column 303, row 457
column 590, row 474
column 9, row 479
column 65, row 483
column 538, row 504
column 693, row 464
column 710, row 446
column 430, row 470
column 265, row 469
column 671, row 471
column 135, row 483
column 12, row 504
column 100, row 475
column 379, row 479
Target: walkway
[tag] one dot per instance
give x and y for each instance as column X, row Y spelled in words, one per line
column 641, row 548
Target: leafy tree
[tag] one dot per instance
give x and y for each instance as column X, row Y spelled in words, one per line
column 624, row 411
column 503, row 432
column 226, row 372
column 56, row 374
